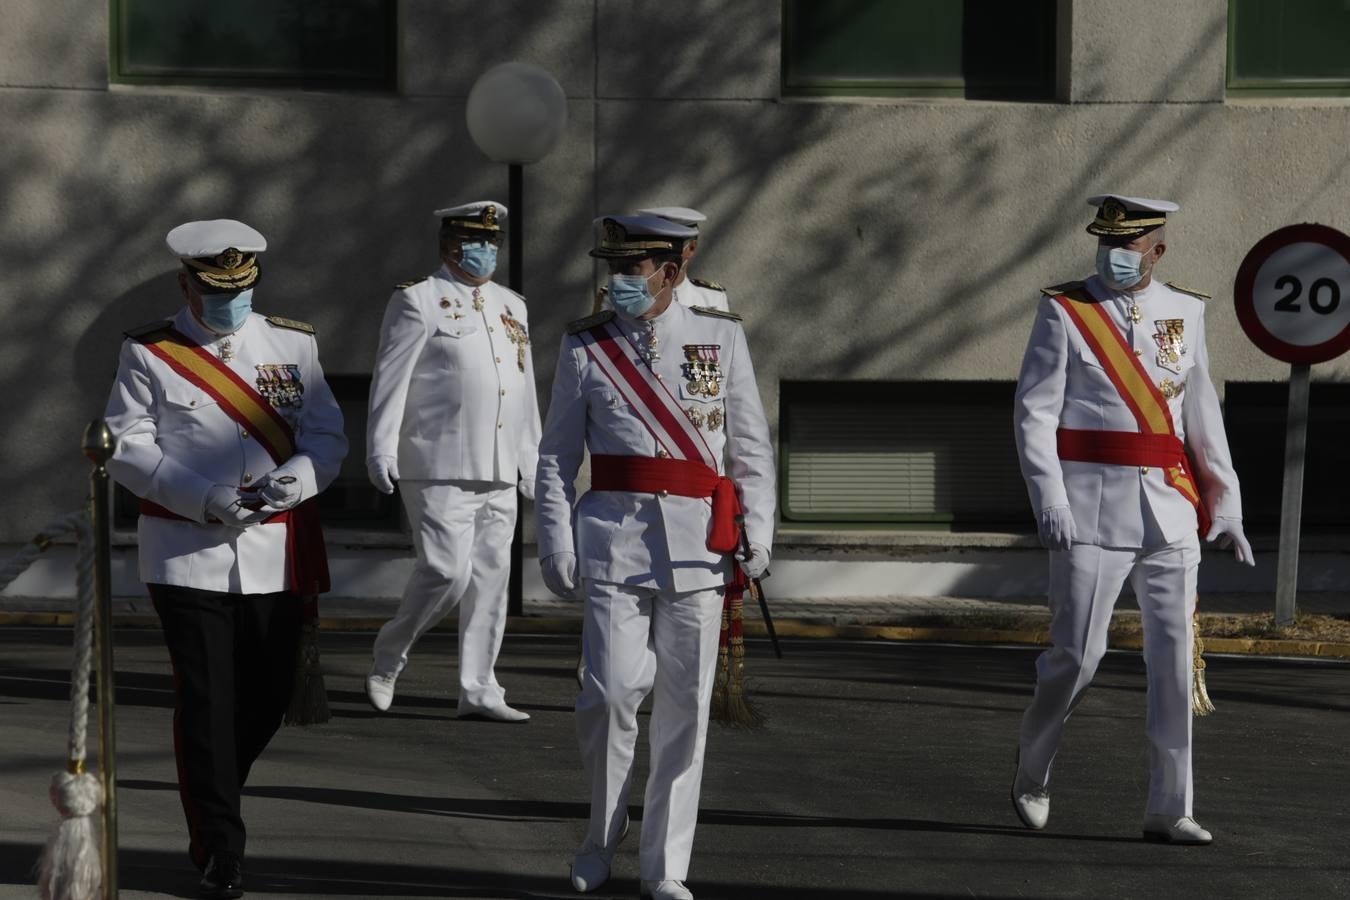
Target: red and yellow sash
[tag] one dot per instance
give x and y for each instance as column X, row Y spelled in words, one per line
column 1140, row 394
column 306, row 555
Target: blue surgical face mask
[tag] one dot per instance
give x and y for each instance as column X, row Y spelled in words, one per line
column 1121, row 269
column 479, row 259
column 631, row 294
column 226, row 313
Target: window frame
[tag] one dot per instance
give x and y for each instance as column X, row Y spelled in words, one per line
column 960, row 392
column 1273, row 87
column 933, row 87
column 170, row 76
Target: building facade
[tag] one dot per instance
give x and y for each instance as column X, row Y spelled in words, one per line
column 888, row 185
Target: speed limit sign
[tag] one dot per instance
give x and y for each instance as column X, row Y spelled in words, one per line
column 1293, row 299
column 1293, row 294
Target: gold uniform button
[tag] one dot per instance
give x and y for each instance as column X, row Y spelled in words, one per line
column 192, row 403
column 662, row 454
column 490, row 328
column 499, row 424
column 660, row 377
column 244, row 435
column 1143, row 470
column 663, row 493
column 1139, row 353
column 247, row 478
column 499, row 359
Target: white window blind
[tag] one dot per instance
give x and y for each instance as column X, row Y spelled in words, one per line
column 919, row 452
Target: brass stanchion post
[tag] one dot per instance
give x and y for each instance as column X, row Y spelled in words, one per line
column 98, row 446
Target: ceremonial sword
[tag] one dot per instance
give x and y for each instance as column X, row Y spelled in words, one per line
column 758, row 590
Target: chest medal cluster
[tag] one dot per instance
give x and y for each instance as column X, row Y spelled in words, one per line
column 702, row 372
column 280, row 384
column 1171, row 340
column 515, row 331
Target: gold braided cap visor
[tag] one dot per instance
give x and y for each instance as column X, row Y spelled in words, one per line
column 227, row 271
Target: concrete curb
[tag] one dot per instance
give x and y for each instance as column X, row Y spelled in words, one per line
column 788, row 628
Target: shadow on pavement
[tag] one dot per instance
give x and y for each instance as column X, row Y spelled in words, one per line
column 169, row 873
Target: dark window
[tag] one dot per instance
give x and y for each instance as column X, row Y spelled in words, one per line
column 940, row 453
column 980, row 49
column 1255, row 415
column 302, row 43
column 1289, row 47
column 350, row 501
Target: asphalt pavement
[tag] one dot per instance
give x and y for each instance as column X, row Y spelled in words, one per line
column 883, row 772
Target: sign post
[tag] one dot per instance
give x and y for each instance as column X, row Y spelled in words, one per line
column 1292, row 294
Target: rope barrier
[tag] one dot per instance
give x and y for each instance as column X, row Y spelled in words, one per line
column 70, row 868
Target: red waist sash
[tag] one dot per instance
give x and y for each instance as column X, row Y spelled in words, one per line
column 306, row 555
column 681, row 477
column 1128, row 448
column 1120, row 448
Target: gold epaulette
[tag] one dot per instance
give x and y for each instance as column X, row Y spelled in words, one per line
column 147, row 329
column 1185, row 290
column 589, row 322
column 599, row 303
column 1066, row 287
column 711, row 285
column 404, row 285
column 282, row 322
column 716, row 313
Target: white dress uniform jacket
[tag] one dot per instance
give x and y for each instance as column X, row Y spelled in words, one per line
column 174, row 442
column 1062, row 384
column 645, row 540
column 452, row 396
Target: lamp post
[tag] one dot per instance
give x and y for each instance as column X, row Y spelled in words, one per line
column 516, row 112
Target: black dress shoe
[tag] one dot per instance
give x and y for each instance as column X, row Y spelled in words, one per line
column 223, row 878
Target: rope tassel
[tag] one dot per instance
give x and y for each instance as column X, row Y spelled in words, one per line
column 309, row 696
column 1201, row 705
column 730, row 704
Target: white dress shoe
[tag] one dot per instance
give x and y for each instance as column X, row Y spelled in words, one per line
column 590, row 867
column 1174, row 830
column 1031, row 801
column 501, row 713
column 380, row 690
column 666, row 890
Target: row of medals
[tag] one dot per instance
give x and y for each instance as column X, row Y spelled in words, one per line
column 1170, row 348
column 703, row 375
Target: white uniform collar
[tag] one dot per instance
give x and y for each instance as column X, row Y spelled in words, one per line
column 189, row 327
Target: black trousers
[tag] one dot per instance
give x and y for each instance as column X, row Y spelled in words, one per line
column 233, row 663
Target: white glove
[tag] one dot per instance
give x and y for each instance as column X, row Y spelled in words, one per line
column 560, row 574
column 757, row 564
column 279, row 492
column 1229, row 534
column 526, row 488
column 383, row 471
column 1056, row 528
column 224, row 505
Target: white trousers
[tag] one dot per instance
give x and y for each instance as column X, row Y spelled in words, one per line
column 462, row 533
column 634, row 641
column 1085, row 582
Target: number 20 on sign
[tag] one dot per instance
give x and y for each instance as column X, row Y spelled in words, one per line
column 1292, row 294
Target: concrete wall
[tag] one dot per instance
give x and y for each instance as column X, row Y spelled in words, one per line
column 861, row 239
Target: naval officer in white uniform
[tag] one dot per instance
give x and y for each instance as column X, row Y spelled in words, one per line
column 660, row 394
column 455, row 421
column 689, row 291
column 1104, row 493
column 226, row 430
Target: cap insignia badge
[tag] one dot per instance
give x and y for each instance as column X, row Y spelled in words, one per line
column 1113, row 211
column 230, row 258
column 490, row 215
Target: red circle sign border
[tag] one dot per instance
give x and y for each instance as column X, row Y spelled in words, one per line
column 1245, row 301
